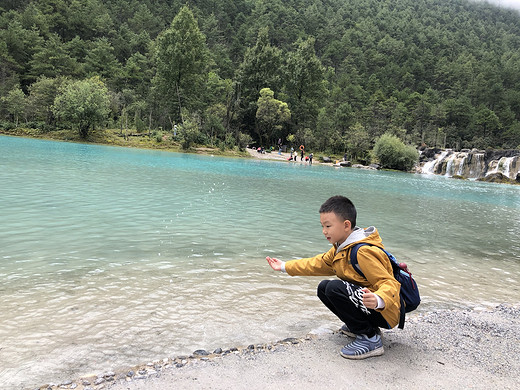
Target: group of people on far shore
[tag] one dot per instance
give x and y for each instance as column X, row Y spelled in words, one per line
column 294, row 155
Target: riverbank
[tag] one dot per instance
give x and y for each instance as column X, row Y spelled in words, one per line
column 114, row 137
column 444, row 349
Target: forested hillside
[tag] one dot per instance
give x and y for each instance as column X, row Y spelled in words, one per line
column 334, row 74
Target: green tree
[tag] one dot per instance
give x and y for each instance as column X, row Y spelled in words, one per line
column 304, row 83
column 181, row 56
column 358, row 143
column 189, row 133
column 271, row 114
column 8, row 75
column 52, row 60
column 21, row 45
column 259, row 69
column 459, row 113
column 83, row 103
column 144, row 20
column 392, row 153
column 487, row 125
column 41, row 97
column 137, row 74
column 511, row 137
column 15, row 104
column 101, row 60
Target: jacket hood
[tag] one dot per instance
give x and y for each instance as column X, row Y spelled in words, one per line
column 369, row 235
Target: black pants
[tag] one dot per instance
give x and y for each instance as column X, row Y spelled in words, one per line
column 346, row 301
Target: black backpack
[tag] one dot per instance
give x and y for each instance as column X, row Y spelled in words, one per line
column 409, row 293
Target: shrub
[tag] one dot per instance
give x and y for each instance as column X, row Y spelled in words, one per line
column 392, row 153
column 190, row 134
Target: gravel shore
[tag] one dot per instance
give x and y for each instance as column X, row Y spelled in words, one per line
column 445, row 349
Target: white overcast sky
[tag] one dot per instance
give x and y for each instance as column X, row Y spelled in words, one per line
column 506, row 3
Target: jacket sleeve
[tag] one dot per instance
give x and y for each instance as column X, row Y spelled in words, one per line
column 320, row 265
column 377, row 269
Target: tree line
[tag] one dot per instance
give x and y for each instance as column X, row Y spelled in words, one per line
column 333, row 75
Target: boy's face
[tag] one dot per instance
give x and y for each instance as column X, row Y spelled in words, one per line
column 335, row 229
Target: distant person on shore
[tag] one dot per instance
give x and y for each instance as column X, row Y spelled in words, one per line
column 302, row 155
column 363, row 304
column 310, row 159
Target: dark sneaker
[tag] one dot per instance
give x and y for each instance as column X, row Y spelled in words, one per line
column 362, row 348
column 346, row 331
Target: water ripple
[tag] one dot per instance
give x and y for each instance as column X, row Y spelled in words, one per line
column 113, row 257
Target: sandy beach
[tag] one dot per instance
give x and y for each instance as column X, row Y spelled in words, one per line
column 279, row 156
column 445, row 349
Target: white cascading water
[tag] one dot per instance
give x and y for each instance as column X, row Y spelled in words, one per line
column 429, row 167
column 502, row 166
column 461, row 166
column 479, row 166
column 449, row 165
column 457, row 164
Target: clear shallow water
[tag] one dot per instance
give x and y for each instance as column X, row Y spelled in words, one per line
column 111, row 257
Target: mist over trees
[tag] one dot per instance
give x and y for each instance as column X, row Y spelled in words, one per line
column 334, row 75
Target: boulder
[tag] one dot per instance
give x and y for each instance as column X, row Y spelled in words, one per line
column 326, row 159
column 429, row 153
column 494, row 154
column 496, row 177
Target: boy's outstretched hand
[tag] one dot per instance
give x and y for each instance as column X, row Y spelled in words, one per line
column 274, row 263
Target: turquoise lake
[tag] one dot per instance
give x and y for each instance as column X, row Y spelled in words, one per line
column 111, row 257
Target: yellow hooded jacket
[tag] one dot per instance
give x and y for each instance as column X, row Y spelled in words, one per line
column 373, row 262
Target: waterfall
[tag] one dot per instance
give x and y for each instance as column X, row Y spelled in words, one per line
column 476, row 168
column 507, row 166
column 471, row 164
column 430, row 167
column 461, row 166
column 449, row 165
column 502, row 166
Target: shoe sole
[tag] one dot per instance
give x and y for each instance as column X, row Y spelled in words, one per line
column 376, row 352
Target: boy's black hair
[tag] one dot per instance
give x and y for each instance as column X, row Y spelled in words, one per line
column 342, row 207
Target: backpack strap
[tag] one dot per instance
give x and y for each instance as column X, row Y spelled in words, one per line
column 353, row 257
column 357, row 268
